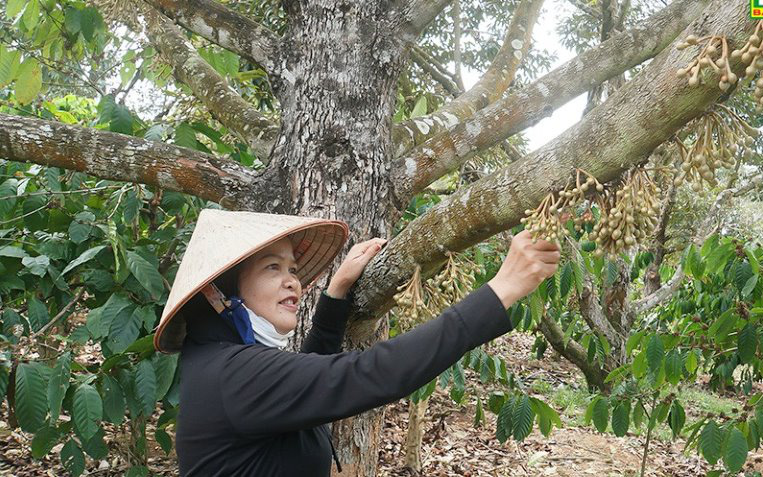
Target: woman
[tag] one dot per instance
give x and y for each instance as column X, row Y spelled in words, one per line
column 248, row 408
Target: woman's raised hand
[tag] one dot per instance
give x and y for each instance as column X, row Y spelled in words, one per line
column 353, row 265
column 526, row 265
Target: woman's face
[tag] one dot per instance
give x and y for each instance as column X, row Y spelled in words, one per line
column 269, row 277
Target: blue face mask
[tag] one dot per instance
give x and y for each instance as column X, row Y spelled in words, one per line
column 251, row 327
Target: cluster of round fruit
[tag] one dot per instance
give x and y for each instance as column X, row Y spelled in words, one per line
column 751, row 55
column 449, row 286
column 627, row 216
column 548, row 219
column 452, row 284
column 705, row 58
column 718, row 140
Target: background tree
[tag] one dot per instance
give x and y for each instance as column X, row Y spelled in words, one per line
column 304, row 108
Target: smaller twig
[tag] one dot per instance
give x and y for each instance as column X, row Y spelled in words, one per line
column 59, row 315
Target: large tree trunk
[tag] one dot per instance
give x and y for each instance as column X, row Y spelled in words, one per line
column 337, row 100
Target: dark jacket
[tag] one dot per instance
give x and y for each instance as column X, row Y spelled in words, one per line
column 254, row 410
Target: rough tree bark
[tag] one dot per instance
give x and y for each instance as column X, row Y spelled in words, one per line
column 334, row 73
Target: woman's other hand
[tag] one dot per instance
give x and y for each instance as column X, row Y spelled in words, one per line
column 354, row 264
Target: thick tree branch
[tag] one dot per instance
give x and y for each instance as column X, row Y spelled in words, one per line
column 589, row 304
column 447, row 151
column 416, row 15
column 114, row 156
column 488, row 89
column 209, row 87
column 223, row 26
column 708, row 226
column 621, row 133
column 572, row 351
column 652, row 273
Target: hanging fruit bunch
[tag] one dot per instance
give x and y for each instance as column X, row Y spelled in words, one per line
column 719, row 138
column 548, row 219
column 751, row 54
column 628, row 216
column 449, row 286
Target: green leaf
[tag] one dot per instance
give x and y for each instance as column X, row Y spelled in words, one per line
column 676, row 418
column 749, row 286
column 655, row 352
column 137, row 471
column 479, row 415
column 565, row 280
column 11, row 251
column 719, row 257
column 87, row 410
column 58, row 384
column 13, row 8
column 164, row 440
column 674, row 367
column 95, row 447
column 79, row 232
column 601, row 414
column 694, row 265
column 145, row 386
column 747, row 343
column 113, row 400
column 44, row 440
column 710, row 442
column 735, row 452
column 9, row 67
column 420, row 108
column 691, row 362
column 72, row 458
column 505, row 423
column 38, row 314
column 124, row 330
column 37, row 265
column 72, row 20
column 84, row 257
column 620, row 418
column 612, row 273
column 29, row 81
column 88, row 21
column 754, row 262
column 31, row 405
column 121, row 120
column 633, row 341
column 742, row 275
column 99, row 320
column 146, row 273
column 165, row 365
column 578, row 269
column 536, row 306
column 31, row 14
column 523, row 418
column 547, row 417
column 638, row 414
column 185, row 136
column 639, row 365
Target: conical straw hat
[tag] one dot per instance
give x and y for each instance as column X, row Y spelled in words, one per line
column 222, row 239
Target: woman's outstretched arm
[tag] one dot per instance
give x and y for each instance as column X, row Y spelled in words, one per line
column 266, row 390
